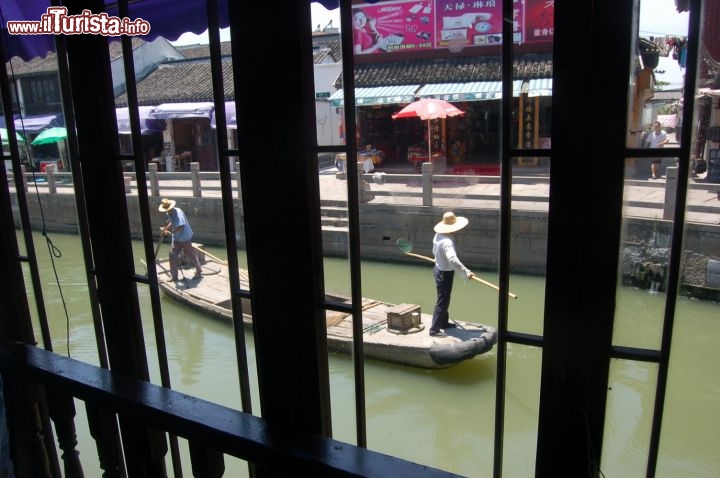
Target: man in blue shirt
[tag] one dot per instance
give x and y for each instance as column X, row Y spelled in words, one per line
column 179, row 229
column 446, row 263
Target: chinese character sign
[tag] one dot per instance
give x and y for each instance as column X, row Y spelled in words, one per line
column 539, row 24
column 469, row 23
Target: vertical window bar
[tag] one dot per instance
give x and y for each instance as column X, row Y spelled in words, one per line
column 22, row 202
column 353, row 217
column 79, row 188
column 227, row 202
column 677, row 232
column 143, row 207
column 505, row 176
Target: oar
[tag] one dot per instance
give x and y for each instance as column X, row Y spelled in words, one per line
column 160, row 241
column 406, row 247
column 714, row 197
column 217, row 259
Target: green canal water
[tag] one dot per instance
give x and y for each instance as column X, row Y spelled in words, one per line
column 440, row 418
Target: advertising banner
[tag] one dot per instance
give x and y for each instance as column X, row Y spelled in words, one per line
column 393, row 26
column 539, row 20
column 415, row 25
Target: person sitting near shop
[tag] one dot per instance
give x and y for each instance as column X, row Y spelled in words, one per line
column 178, row 228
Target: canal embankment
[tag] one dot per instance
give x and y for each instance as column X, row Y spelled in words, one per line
column 407, row 206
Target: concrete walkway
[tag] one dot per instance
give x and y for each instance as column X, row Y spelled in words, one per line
column 402, row 184
column 530, row 192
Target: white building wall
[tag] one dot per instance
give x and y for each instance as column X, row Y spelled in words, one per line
column 326, row 115
column 146, row 57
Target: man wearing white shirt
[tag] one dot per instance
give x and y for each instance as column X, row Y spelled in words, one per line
column 657, row 138
column 446, row 263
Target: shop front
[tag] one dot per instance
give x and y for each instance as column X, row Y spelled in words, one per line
column 464, row 144
column 151, row 133
column 187, row 137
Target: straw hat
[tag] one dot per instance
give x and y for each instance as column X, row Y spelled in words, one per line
column 451, row 223
column 166, row 205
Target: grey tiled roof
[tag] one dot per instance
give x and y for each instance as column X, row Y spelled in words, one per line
column 450, row 70
column 328, row 45
column 203, row 51
column 321, row 55
column 17, row 67
column 180, row 82
column 49, row 64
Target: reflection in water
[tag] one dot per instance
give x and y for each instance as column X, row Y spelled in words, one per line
column 443, row 418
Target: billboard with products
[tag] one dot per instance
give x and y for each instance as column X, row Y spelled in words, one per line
column 415, row 25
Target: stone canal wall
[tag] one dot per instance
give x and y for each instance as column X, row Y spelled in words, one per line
column 382, row 224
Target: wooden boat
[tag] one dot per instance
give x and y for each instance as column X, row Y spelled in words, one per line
column 392, row 333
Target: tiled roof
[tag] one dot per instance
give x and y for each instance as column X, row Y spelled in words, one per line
column 180, row 82
column 116, row 47
column 322, row 55
column 203, row 51
column 328, row 44
column 49, row 64
column 450, row 70
column 16, row 67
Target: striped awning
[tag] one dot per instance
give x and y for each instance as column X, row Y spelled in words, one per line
column 473, row 91
column 378, row 95
column 483, row 90
column 540, row 87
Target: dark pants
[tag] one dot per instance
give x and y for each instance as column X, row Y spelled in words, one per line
column 444, row 285
column 180, row 250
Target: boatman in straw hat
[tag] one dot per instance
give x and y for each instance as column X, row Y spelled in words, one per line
column 179, row 229
column 446, row 263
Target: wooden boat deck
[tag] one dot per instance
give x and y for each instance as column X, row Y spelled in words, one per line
column 415, row 347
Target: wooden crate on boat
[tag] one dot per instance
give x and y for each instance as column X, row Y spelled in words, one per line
column 403, row 317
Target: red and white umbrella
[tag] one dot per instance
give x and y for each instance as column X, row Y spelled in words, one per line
column 428, row 109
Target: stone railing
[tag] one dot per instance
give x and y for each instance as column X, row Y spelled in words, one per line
column 424, row 189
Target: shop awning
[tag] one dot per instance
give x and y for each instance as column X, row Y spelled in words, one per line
column 540, row 87
column 379, row 95
column 183, row 110
column 147, row 124
column 483, row 90
column 474, row 91
column 230, row 117
column 35, row 124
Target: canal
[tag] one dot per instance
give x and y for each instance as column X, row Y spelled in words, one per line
column 440, row 418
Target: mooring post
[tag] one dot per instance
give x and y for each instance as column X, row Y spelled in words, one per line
column 670, row 189
column 153, row 174
column 50, row 171
column 427, row 180
column 195, row 177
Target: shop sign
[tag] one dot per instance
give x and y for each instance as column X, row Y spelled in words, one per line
column 416, row 25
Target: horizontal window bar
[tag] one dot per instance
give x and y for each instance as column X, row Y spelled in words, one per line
column 632, row 353
column 523, row 339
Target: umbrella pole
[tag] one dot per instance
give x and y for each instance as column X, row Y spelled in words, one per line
column 429, row 143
